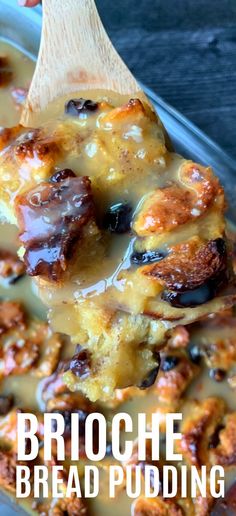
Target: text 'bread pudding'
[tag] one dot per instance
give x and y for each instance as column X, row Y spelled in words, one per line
column 125, row 238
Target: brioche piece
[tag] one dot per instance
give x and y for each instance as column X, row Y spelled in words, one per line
column 26, row 344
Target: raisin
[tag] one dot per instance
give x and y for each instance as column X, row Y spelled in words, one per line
column 6, row 403
column 76, row 107
column 217, row 374
column 220, row 246
column 190, row 299
column 215, row 439
column 117, row 219
column 169, row 362
column 61, row 175
column 204, row 293
column 80, row 364
column 194, row 354
column 142, row 258
column 150, row 378
column 5, row 71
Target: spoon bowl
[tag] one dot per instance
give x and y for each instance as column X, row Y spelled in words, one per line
column 75, row 54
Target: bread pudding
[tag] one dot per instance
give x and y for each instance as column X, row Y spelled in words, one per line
column 125, row 239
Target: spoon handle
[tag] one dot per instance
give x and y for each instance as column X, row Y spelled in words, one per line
column 75, row 54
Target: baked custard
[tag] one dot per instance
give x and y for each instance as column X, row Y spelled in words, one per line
column 125, row 239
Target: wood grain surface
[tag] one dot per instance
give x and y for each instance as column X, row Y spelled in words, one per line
column 75, row 54
column 186, row 51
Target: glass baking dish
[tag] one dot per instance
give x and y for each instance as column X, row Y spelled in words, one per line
column 22, row 28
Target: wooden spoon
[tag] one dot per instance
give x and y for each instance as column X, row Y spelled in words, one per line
column 75, row 54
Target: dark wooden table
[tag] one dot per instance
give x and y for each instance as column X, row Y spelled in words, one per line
column 185, row 50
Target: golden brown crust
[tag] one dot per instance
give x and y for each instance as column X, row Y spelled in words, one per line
column 75, row 507
column 35, row 145
column 133, row 108
column 225, row 453
column 8, row 471
column 50, row 346
column 198, row 426
column 203, row 182
column 26, row 345
column 156, row 216
column 175, row 205
column 175, row 375
column 11, row 266
column 18, row 360
column 179, row 338
column 190, row 264
column 12, row 316
column 7, row 134
column 27, row 158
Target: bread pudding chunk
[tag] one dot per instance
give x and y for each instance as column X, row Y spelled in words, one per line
column 26, row 344
column 125, row 238
column 11, row 267
column 171, row 206
column 53, row 219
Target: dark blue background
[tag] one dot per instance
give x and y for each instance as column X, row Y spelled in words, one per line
column 186, row 51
